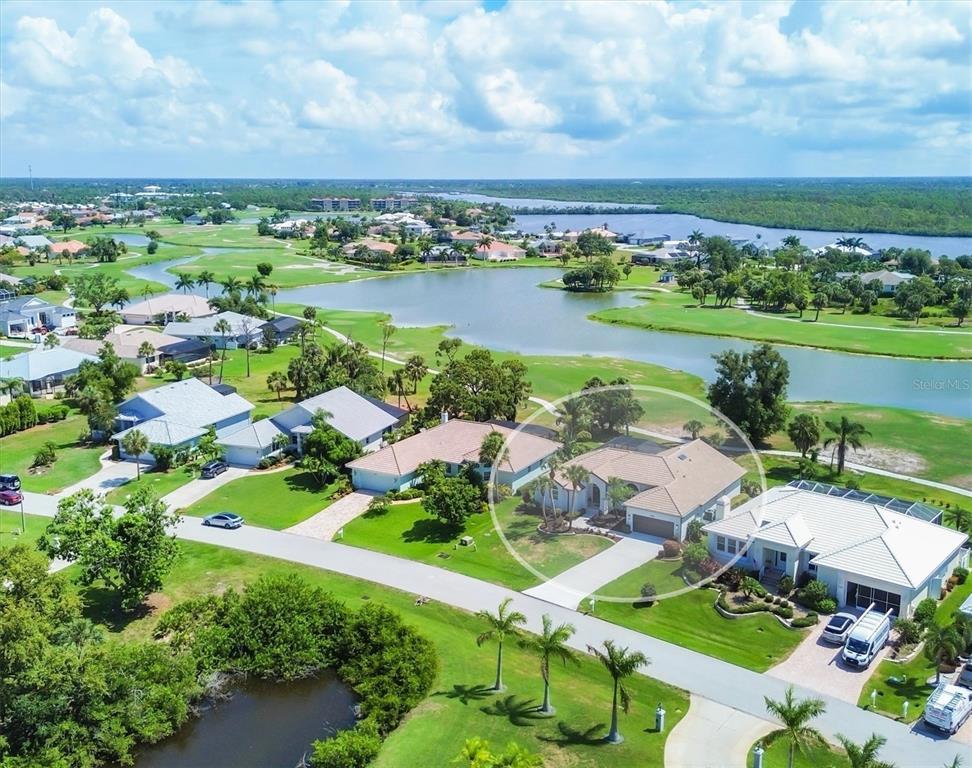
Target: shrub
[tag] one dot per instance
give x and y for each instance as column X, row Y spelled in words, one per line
column 380, row 505
column 671, row 548
column 813, row 594
column 803, row 579
column 924, row 614
column 694, row 531
column 805, row 621
column 164, row 456
column 767, row 598
column 853, row 484
column 732, row 578
column 961, row 574
column 348, row 749
column 695, row 555
column 648, row 591
column 827, row 605
column 786, row 585
column 46, row 455
column 909, row 631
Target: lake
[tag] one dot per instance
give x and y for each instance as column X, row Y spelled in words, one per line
column 131, row 239
column 264, row 725
column 680, row 225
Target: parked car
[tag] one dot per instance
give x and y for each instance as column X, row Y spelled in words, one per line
column 867, row 638
column 212, row 468
column 223, row 520
column 9, row 482
column 948, row 708
column 9, row 498
column 964, row 678
column 837, row 628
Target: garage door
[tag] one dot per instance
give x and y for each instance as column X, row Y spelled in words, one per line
column 654, row 527
column 860, row 596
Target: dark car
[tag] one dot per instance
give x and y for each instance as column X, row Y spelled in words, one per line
column 9, row 483
column 9, row 498
column 223, row 520
column 212, row 468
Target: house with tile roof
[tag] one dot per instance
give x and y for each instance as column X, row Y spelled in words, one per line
column 167, row 308
column 21, row 314
column 667, row 488
column 43, row 370
column 455, row 442
column 865, row 552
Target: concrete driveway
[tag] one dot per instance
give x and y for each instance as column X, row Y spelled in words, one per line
column 817, row 661
column 713, row 735
column 111, row 475
column 576, row 583
column 326, row 523
column 187, row 495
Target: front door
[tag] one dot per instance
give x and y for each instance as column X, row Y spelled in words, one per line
column 774, row 560
column 595, row 496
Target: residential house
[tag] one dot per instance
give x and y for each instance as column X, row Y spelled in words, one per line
column 244, row 330
column 360, row 418
column 177, row 415
column 866, row 549
column 498, row 250
column 284, row 327
column 455, row 442
column 889, row 280
column 377, row 247
column 33, row 242
column 195, row 218
column 127, row 342
column 645, row 239
column 20, row 315
column 68, row 249
column 166, row 309
column 667, row 489
column 43, row 370
column 466, row 237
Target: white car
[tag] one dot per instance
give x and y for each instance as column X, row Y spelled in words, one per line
column 837, row 628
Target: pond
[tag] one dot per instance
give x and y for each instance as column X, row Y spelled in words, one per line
column 264, row 725
column 131, row 239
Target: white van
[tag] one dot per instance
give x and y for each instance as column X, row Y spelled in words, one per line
column 866, row 638
column 948, row 707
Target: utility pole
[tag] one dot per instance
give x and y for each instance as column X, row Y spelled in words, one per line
column 30, row 176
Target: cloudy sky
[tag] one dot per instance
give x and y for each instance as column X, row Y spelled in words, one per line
column 485, row 89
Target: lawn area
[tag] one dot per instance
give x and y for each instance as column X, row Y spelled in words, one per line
column 10, row 351
column 10, row 527
column 896, row 683
column 408, row 531
column 274, row 499
column 755, row 642
column 290, row 270
column 776, row 754
column 680, row 312
column 74, row 462
column 459, row 706
column 161, row 483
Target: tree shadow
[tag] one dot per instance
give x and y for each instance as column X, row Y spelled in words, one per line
column 305, row 483
column 467, row 693
column 569, row 736
column 102, row 606
column 431, row 531
column 519, row 711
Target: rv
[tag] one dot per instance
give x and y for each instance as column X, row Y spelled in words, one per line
column 948, row 707
column 867, row 637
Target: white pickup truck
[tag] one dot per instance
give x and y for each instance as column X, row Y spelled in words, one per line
column 948, row 707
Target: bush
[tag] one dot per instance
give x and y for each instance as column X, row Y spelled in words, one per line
column 786, row 585
column 924, row 614
column 767, row 598
column 805, row 621
column 46, row 455
column 827, row 605
column 961, row 574
column 52, row 414
column 695, row 555
column 853, row 484
column 671, row 548
column 732, row 578
column 694, row 531
column 803, row 579
column 378, row 506
column 814, row 595
column 348, row 749
column 648, row 591
column 163, row 455
column 909, row 631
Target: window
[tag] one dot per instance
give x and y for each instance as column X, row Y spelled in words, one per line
column 556, row 493
column 721, row 543
column 811, row 567
column 782, row 558
column 731, row 546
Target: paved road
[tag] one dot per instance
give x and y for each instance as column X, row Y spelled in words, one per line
column 702, row 675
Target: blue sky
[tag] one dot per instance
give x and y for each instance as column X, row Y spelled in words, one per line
column 457, row 89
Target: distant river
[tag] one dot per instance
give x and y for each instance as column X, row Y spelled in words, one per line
column 680, row 225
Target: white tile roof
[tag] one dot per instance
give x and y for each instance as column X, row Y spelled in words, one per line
column 41, row 363
column 205, row 326
column 177, row 303
column 259, row 434
column 853, row 536
column 352, row 415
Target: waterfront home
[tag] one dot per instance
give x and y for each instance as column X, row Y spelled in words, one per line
column 127, row 342
column 889, row 280
column 166, row 308
column 375, row 247
column 455, row 442
column 43, row 370
column 243, row 330
column 68, row 249
column 20, row 315
column 666, row 489
column 33, row 242
column 177, row 415
column 498, row 250
column 865, row 549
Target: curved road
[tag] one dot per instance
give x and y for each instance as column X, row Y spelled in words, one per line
column 716, row 680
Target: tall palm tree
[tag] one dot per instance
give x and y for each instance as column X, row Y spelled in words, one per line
column 396, row 383
column 272, row 289
column 415, row 370
column 573, row 418
column 544, row 485
column 205, row 278
column 578, row 476
column 277, row 382
column 185, row 282
column 865, row 755
column 845, row 433
column 694, row 427
column 255, row 285
column 135, row 444
column 551, row 644
column 387, row 331
column 231, row 285
column 222, row 327
column 795, row 715
column 503, row 623
column 942, row 644
column 620, row 663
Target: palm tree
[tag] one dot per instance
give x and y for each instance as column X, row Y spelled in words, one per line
column 492, row 450
column 846, row 433
column 544, row 485
column 819, row 301
column 185, row 282
column 387, row 331
column 277, row 382
column 416, row 370
column 578, row 476
column 573, row 418
column 694, row 427
column 958, row 518
column 864, row 755
column 396, row 383
column 618, row 492
column 502, row 623
column 620, row 663
column 551, row 643
column 255, row 285
column 205, row 279
column 272, row 289
column 135, row 444
column 13, row 386
column 795, row 716
column 222, row 327
column 146, row 350
column 484, row 242
column 942, row 644
column 231, row 285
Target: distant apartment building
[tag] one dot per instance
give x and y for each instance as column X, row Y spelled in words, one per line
column 336, row 203
column 392, row 203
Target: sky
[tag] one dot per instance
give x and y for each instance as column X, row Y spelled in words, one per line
column 457, row 89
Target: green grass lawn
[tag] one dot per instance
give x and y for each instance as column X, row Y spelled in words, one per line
column 896, row 683
column 680, row 312
column 776, row 756
column 9, row 351
column 10, row 530
column 408, row 531
column 290, row 269
column 459, row 706
column 74, row 462
column 161, row 483
column 270, row 499
column 756, row 642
